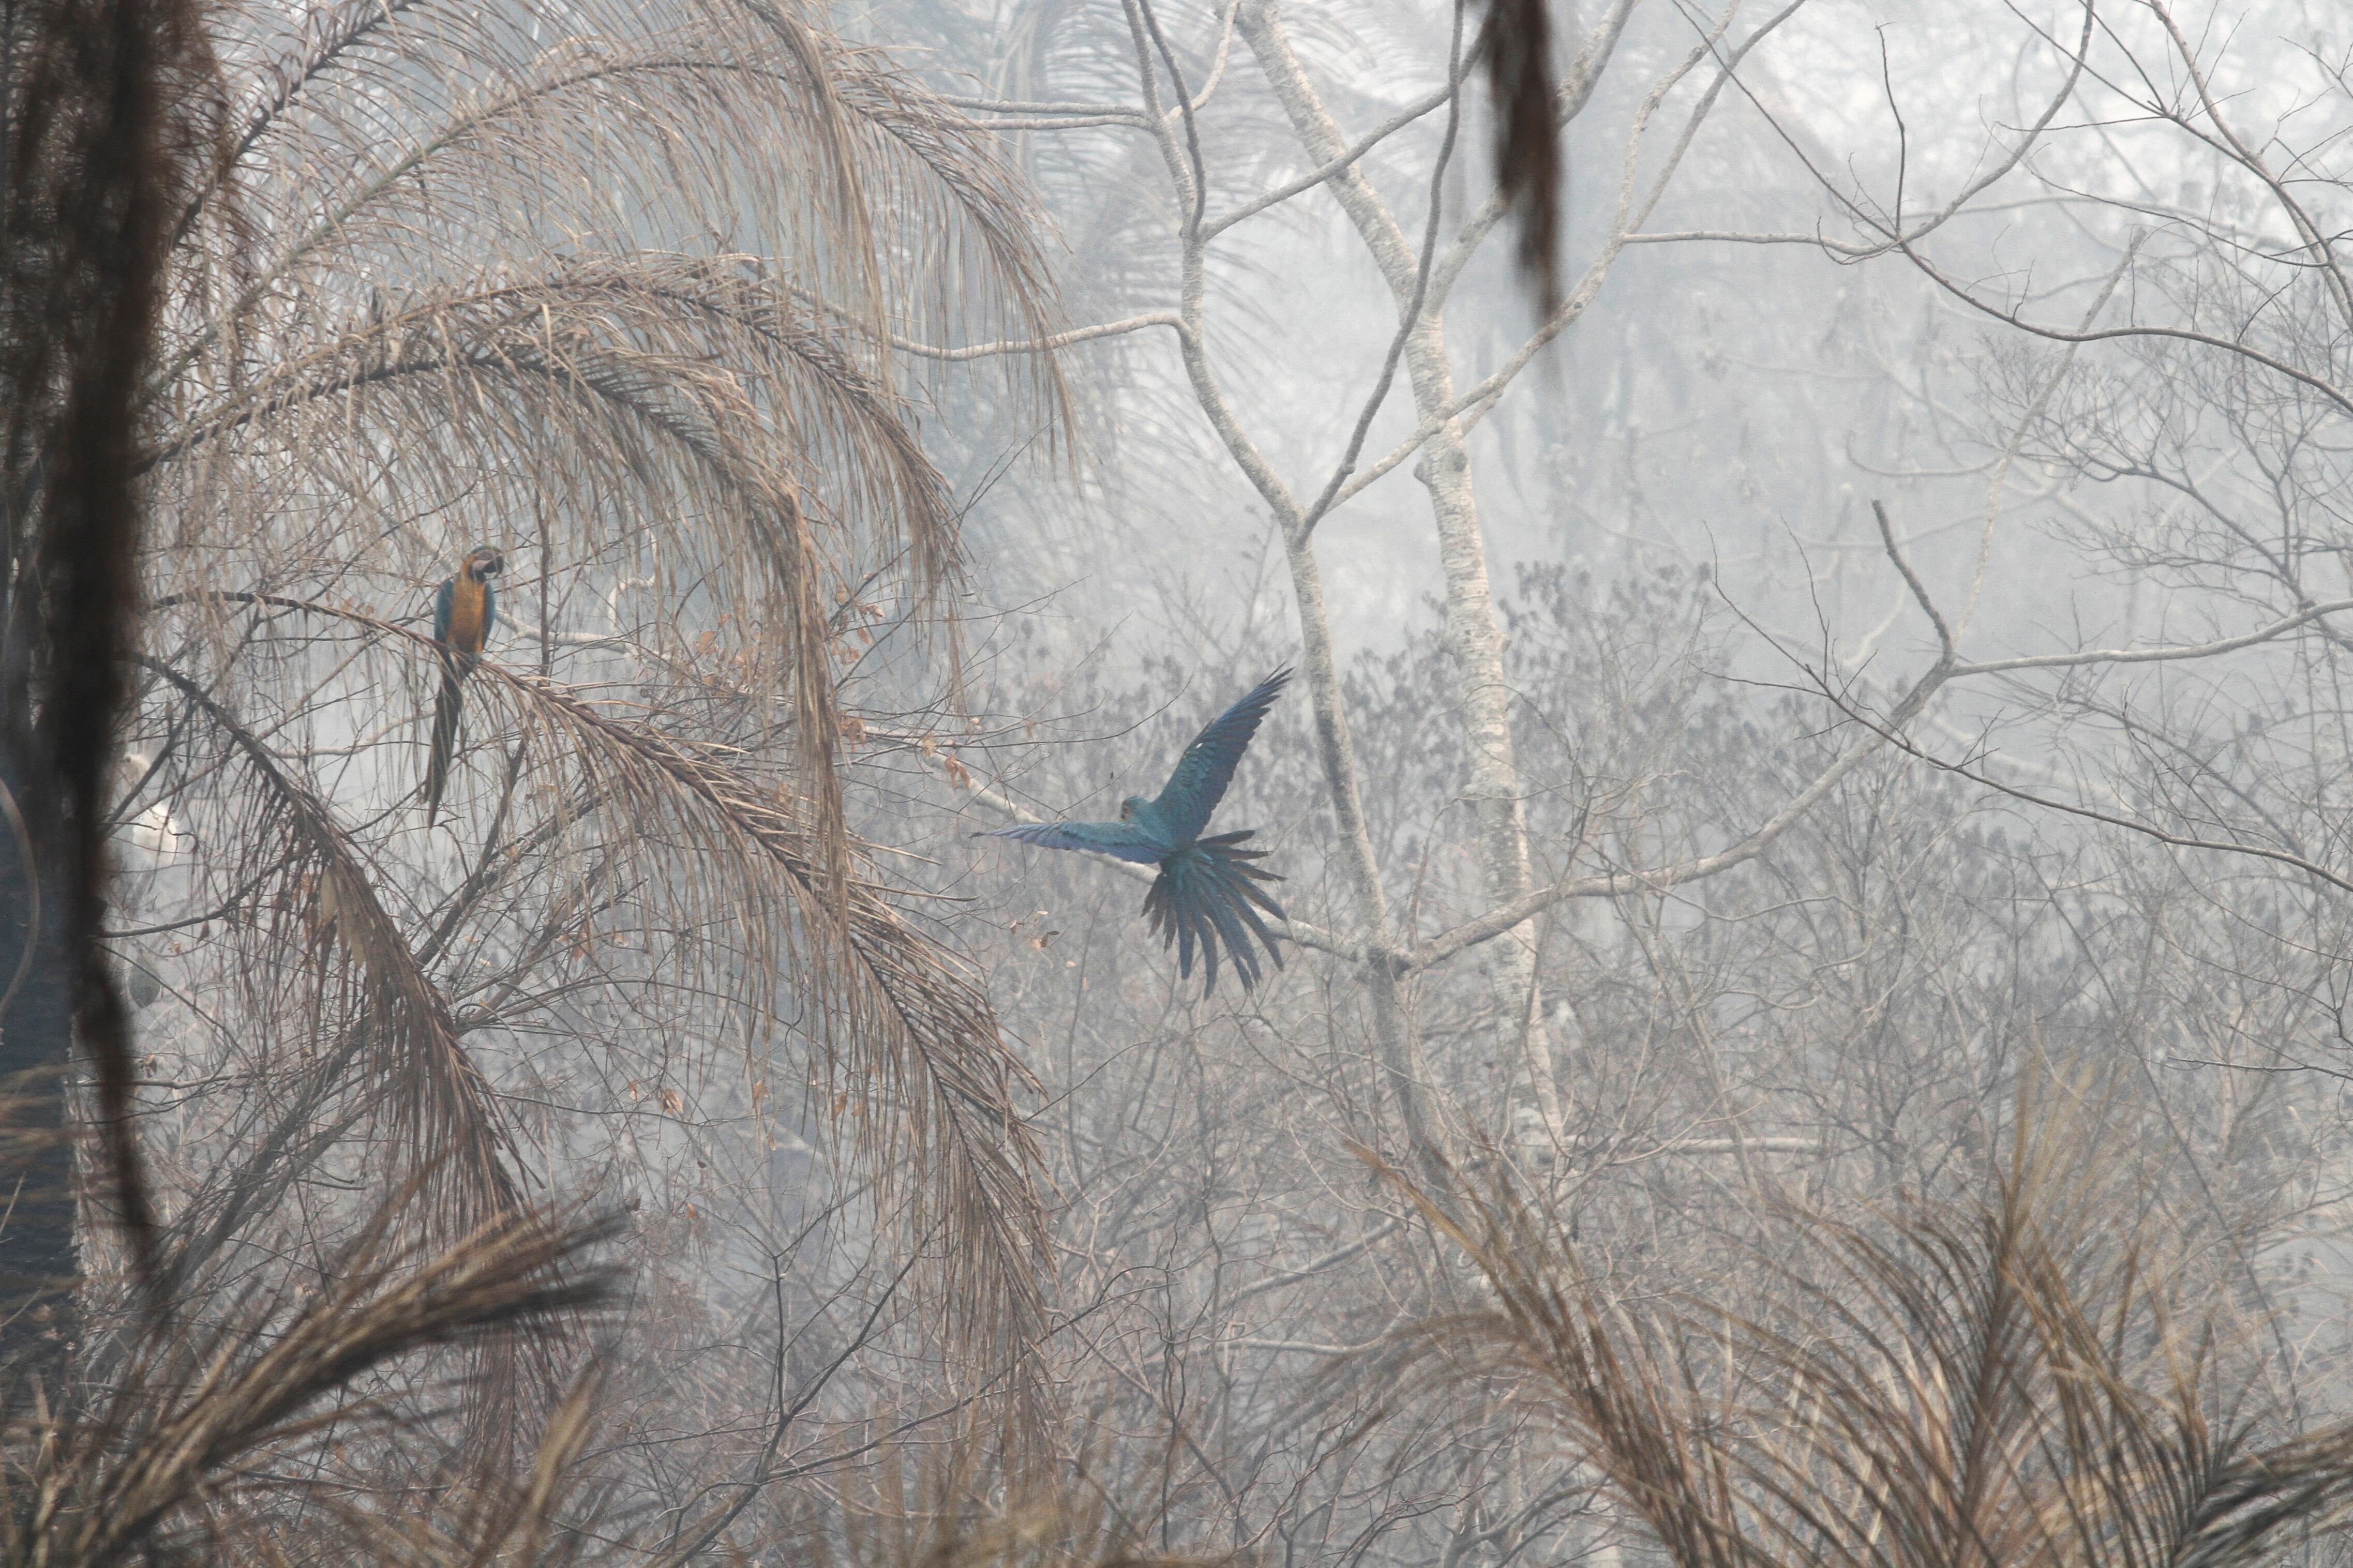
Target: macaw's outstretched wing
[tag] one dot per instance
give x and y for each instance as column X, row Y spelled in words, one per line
column 1122, row 839
column 1199, row 779
column 1208, row 894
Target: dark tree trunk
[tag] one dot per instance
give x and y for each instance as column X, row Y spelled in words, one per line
column 38, row 1260
column 103, row 106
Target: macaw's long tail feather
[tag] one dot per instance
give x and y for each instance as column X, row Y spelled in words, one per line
column 445, row 739
column 1207, row 895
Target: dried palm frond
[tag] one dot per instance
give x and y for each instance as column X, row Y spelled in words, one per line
column 618, row 288
column 710, row 393
column 905, row 1033
column 609, row 281
column 190, row 1417
column 533, row 1517
column 2005, row 1383
column 905, row 1037
column 442, row 1120
column 436, row 311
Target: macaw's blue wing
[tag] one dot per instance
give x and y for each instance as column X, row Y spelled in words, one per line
column 1122, row 839
column 1199, row 779
column 1207, row 895
column 444, row 600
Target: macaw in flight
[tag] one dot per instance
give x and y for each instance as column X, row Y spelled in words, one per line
column 464, row 611
column 1207, row 886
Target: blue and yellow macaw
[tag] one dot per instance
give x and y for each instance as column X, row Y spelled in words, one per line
column 1205, row 888
column 464, row 611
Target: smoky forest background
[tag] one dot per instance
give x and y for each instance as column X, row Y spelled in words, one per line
column 1816, row 803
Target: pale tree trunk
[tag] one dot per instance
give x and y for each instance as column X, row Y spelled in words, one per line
column 1475, row 644
column 1379, row 948
column 1473, row 641
column 1401, row 1045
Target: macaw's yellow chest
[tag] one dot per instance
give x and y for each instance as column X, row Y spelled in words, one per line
column 468, row 602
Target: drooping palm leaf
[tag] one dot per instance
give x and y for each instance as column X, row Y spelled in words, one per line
column 2012, row 1380
column 615, row 287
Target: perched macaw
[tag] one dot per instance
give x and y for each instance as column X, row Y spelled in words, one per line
column 1207, row 886
column 464, row 611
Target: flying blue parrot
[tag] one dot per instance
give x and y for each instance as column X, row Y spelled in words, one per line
column 464, row 611
column 1207, row 887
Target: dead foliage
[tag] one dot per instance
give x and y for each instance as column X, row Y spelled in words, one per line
column 2022, row 1379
